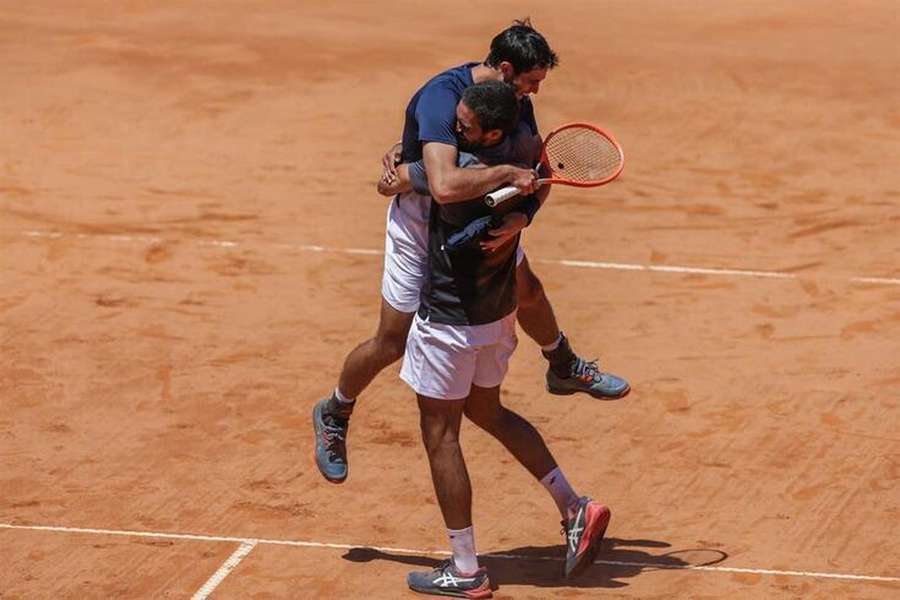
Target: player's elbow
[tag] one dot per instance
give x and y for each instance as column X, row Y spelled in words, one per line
column 441, row 192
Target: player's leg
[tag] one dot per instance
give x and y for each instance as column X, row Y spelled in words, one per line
column 583, row 519
column 567, row 372
column 331, row 416
column 535, row 313
column 375, row 354
column 485, row 410
column 439, row 421
column 515, row 433
column 438, row 366
column 461, row 575
column 405, row 268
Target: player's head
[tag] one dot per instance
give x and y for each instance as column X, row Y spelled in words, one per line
column 523, row 57
column 486, row 112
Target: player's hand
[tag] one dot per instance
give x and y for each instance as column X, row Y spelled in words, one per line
column 389, row 163
column 524, row 179
column 542, row 169
column 384, row 185
column 512, row 224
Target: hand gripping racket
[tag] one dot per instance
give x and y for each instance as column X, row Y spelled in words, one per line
column 576, row 154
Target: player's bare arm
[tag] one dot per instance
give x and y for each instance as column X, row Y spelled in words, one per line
column 450, row 183
column 401, row 182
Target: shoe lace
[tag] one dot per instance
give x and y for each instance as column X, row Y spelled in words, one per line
column 444, row 565
column 587, row 370
column 334, row 435
column 569, row 536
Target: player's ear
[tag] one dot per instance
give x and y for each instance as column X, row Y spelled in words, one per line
column 493, row 137
column 508, row 70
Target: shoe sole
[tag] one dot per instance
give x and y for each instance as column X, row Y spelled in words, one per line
column 595, row 536
column 568, row 392
column 481, row 592
column 318, row 431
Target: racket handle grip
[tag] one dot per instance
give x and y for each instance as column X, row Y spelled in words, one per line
column 501, row 195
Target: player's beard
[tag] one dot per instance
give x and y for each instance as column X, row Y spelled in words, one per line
column 466, row 146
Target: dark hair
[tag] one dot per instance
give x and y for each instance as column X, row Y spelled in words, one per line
column 523, row 47
column 494, row 104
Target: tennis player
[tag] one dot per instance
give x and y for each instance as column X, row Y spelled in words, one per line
column 460, row 343
column 521, row 56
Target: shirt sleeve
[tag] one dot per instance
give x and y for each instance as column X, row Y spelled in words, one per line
column 418, row 178
column 436, row 115
column 466, row 159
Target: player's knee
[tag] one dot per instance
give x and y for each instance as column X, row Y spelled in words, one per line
column 438, row 439
column 391, row 345
column 393, row 329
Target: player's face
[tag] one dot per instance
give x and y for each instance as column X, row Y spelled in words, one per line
column 528, row 82
column 468, row 129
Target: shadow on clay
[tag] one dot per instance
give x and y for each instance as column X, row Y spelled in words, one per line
column 542, row 566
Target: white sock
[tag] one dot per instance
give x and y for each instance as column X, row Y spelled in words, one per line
column 554, row 345
column 462, row 541
column 342, row 398
column 563, row 494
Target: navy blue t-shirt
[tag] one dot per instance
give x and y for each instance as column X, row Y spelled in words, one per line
column 431, row 113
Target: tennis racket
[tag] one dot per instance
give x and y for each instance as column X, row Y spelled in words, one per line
column 576, row 154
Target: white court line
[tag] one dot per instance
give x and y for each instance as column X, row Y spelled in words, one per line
column 413, row 551
column 227, row 567
column 589, row 264
column 580, row 264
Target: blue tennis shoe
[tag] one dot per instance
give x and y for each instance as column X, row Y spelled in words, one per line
column 331, row 426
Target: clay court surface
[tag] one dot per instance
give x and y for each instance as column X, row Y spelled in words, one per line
column 190, row 243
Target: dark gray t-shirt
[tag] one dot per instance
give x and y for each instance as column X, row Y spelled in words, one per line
column 469, row 286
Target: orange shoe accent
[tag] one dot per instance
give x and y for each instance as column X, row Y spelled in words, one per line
column 482, row 591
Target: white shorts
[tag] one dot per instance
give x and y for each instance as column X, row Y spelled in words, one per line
column 406, row 251
column 444, row 361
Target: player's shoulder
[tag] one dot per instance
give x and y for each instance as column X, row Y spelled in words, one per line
column 458, row 77
column 525, row 144
column 524, row 135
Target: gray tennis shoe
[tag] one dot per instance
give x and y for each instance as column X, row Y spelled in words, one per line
column 570, row 374
column 586, row 377
column 446, row 580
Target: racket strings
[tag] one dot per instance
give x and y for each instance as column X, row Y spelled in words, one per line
column 582, row 155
